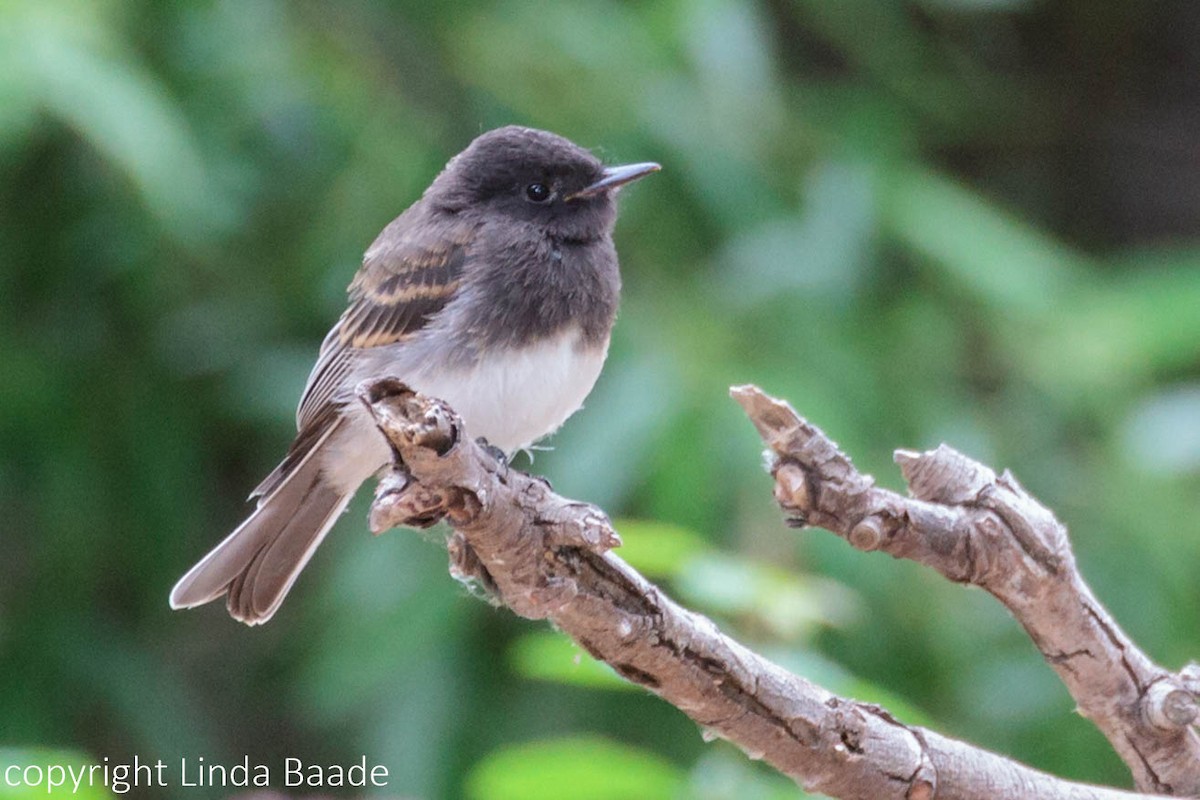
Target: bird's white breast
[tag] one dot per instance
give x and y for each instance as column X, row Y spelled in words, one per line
column 512, row 398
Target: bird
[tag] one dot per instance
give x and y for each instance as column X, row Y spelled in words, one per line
column 496, row 291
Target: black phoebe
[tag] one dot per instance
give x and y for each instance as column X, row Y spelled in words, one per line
column 496, row 291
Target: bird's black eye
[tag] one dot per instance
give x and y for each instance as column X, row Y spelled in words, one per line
column 537, row 192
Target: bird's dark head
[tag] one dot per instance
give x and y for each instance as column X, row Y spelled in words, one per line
column 535, row 177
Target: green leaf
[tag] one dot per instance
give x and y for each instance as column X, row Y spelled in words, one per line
column 1131, row 327
column 76, row 65
column 551, row 656
column 998, row 259
column 582, row 768
column 785, row 604
column 659, row 549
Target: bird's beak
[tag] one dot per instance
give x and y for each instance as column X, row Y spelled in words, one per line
column 612, row 177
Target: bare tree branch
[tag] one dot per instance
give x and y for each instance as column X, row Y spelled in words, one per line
column 546, row 557
column 975, row 527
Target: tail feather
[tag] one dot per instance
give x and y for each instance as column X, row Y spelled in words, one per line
column 257, row 564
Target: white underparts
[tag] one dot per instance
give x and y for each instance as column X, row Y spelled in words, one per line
column 511, row 399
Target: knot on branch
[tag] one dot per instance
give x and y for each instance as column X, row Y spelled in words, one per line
column 418, row 429
column 509, row 528
column 1168, row 705
column 868, row 534
column 410, row 420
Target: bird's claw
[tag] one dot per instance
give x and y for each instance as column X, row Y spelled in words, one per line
column 496, row 453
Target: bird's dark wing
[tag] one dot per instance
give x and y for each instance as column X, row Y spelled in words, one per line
column 399, row 289
column 406, row 278
column 404, row 281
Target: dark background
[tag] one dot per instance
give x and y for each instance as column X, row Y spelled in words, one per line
column 972, row 221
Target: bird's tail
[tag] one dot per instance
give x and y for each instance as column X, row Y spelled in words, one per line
column 257, row 564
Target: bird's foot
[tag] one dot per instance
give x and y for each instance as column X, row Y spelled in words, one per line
column 496, row 453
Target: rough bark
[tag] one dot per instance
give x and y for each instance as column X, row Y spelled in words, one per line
column 546, row 557
column 975, row 527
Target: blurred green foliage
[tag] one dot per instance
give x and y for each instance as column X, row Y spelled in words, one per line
column 598, row 768
column 963, row 220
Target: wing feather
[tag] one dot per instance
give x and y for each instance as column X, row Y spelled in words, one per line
column 393, row 297
column 409, row 274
